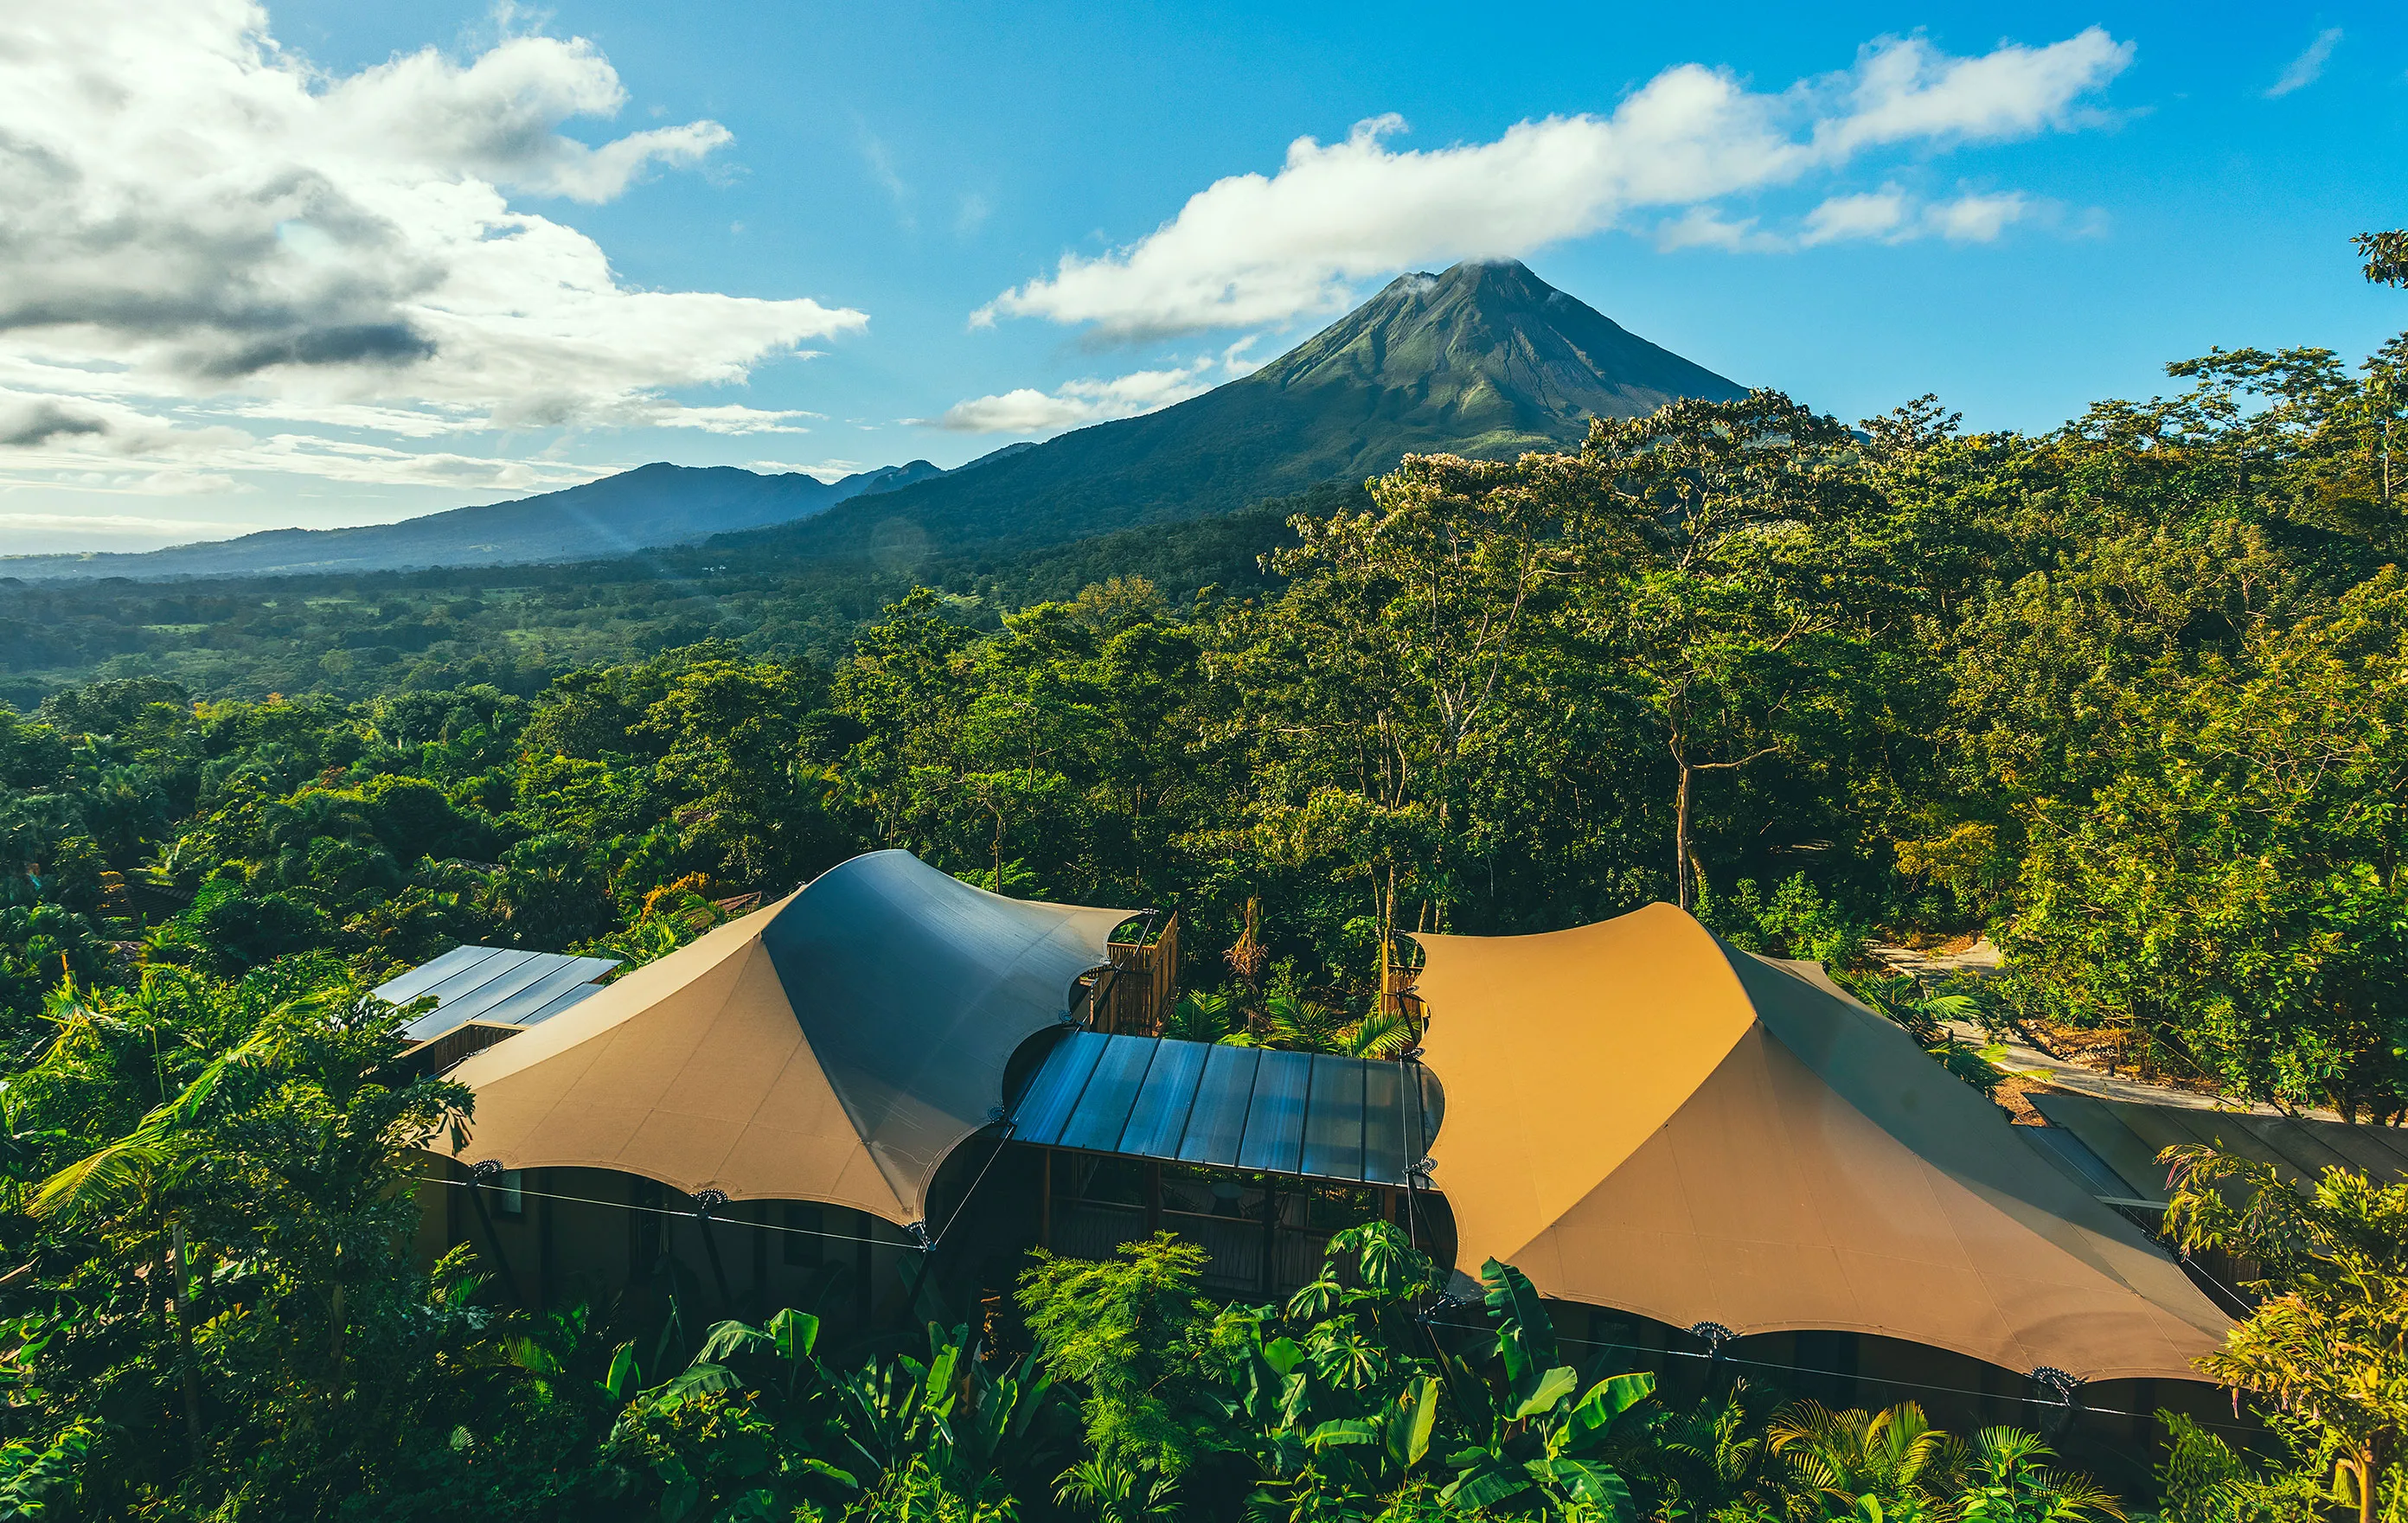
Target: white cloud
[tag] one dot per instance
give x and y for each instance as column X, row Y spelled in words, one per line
column 1076, row 404
column 2309, row 67
column 1867, row 215
column 1909, row 92
column 1256, row 249
column 826, row 471
column 880, row 162
column 727, row 419
column 1976, row 219
column 200, row 221
column 1704, row 227
column 124, row 523
column 1892, row 216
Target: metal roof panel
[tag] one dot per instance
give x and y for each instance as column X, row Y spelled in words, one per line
column 1274, row 1140
column 471, row 1004
column 1385, row 1158
column 1104, row 1110
column 1217, row 1127
column 2098, row 1126
column 1333, row 1120
column 1160, row 1119
column 402, row 988
column 1053, row 1094
column 575, row 994
column 542, row 993
column 476, row 975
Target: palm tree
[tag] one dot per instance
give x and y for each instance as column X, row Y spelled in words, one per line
column 1108, row 1490
column 1198, row 1016
column 136, row 1183
column 1718, row 1447
column 1306, row 1026
column 1929, row 1019
column 1859, row 1464
column 2001, row 1480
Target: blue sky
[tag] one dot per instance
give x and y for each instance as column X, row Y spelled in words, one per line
column 372, row 281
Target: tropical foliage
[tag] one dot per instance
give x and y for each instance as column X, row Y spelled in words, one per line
column 2128, row 696
column 2325, row 1347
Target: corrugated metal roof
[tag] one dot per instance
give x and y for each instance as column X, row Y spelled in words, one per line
column 497, row 985
column 1315, row 1114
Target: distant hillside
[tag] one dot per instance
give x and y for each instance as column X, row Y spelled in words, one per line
column 1486, row 360
column 646, row 508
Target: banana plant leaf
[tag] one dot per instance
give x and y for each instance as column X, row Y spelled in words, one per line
column 1526, row 1335
column 1488, row 1482
column 1610, row 1397
column 1411, row 1418
column 1550, row 1388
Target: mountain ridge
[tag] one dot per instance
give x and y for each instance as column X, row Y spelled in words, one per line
column 615, row 515
column 1483, row 359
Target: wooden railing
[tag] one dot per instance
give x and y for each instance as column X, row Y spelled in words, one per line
column 1133, row 996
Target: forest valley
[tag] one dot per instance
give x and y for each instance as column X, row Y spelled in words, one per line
column 2130, row 696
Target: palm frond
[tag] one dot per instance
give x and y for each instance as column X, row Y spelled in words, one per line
column 1381, row 1034
column 95, row 1181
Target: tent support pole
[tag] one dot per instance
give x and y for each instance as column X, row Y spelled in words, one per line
column 704, row 1203
column 501, row 1259
column 719, row 1274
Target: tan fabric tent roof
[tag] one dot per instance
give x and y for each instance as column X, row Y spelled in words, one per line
column 1639, row 1117
column 835, row 1046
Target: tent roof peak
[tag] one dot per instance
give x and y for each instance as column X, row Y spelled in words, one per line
column 1641, row 1116
column 835, row 1046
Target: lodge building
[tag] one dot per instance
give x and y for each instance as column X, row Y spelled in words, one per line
column 870, row 1099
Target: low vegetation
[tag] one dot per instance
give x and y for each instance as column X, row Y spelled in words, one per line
column 219, row 1318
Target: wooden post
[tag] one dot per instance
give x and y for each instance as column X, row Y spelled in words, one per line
column 501, row 1262
column 1271, row 1229
column 637, row 1224
column 543, row 1254
column 764, row 1209
column 1045, row 1205
column 1153, row 1198
column 863, row 1301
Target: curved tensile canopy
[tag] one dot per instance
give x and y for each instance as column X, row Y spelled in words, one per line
column 1640, row 1118
column 832, row 1047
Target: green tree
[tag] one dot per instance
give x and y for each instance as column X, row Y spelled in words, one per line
column 2326, row 1346
column 1710, row 557
column 1130, row 1332
column 2386, row 256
